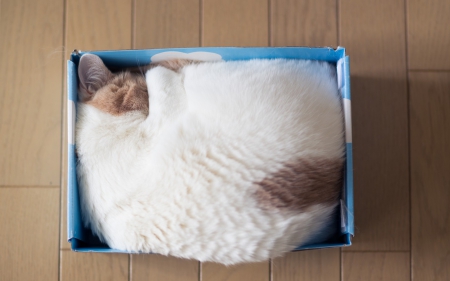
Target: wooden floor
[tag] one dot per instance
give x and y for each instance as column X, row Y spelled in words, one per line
column 400, row 72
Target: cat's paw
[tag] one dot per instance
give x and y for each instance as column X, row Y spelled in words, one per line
column 176, row 64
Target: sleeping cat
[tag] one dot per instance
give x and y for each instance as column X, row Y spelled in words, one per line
column 228, row 162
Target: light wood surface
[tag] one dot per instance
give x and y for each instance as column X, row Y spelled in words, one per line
column 393, row 266
column 430, row 177
column 217, row 272
column 98, row 25
column 157, row 267
column 165, row 24
column 29, row 233
column 428, row 34
column 374, row 36
column 320, row 265
column 235, row 23
column 400, row 130
column 93, row 266
column 30, row 92
column 303, row 23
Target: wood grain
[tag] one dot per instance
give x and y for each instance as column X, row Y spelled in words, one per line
column 93, row 266
column 317, row 265
column 428, row 34
column 98, row 25
column 235, row 23
column 29, row 233
column 303, row 23
column 157, row 267
column 164, row 24
column 91, row 25
column 30, row 95
column 376, row 266
column 375, row 40
column 430, row 178
column 253, row 271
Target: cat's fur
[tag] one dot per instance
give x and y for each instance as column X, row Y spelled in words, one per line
column 221, row 161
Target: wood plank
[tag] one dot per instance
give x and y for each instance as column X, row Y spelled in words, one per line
column 93, row 266
column 243, row 272
column 303, row 23
column 375, row 40
column 98, row 25
column 235, row 23
column 30, row 95
column 377, row 266
column 29, row 233
column 428, row 34
column 157, row 267
column 317, row 265
column 164, row 24
column 91, row 25
column 430, row 178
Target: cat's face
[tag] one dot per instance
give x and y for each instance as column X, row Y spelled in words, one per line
column 114, row 93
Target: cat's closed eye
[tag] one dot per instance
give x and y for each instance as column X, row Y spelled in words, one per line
column 114, row 93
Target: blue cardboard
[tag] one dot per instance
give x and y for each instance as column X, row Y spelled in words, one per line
column 83, row 240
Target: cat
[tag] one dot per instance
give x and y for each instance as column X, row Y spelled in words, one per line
column 227, row 161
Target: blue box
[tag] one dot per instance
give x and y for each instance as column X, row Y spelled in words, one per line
column 82, row 240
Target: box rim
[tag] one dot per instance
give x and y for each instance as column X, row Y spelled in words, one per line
column 74, row 233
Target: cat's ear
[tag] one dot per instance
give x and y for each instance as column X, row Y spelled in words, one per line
column 93, row 75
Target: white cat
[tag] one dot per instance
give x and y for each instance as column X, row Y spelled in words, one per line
column 221, row 161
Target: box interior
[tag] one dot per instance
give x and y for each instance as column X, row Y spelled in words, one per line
column 83, row 240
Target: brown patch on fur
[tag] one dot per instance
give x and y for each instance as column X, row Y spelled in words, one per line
column 301, row 184
column 118, row 93
column 123, row 92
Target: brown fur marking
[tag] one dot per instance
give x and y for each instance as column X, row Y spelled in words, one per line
column 301, row 184
column 127, row 91
column 124, row 92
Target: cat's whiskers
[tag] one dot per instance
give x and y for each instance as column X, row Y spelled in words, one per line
column 140, row 69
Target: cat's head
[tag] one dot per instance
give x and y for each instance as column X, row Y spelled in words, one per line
column 114, row 93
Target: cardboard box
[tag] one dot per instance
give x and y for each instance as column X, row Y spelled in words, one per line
column 82, row 240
